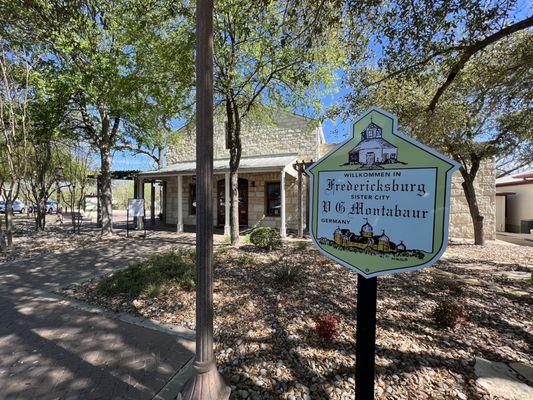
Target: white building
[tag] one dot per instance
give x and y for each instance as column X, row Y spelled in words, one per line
column 514, row 203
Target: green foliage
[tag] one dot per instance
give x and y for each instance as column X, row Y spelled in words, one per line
column 448, row 313
column 407, row 38
column 288, row 274
column 244, row 260
column 152, row 277
column 302, row 246
column 281, row 53
column 485, row 113
column 265, row 238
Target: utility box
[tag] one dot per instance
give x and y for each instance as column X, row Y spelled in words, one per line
column 526, row 225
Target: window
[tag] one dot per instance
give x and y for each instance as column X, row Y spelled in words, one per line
column 273, row 199
column 192, row 199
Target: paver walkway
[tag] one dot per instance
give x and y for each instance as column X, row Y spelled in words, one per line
column 50, row 349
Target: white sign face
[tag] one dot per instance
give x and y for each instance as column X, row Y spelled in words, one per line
column 91, row 204
column 136, row 207
column 386, row 199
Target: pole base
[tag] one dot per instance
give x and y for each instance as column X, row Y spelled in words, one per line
column 205, row 384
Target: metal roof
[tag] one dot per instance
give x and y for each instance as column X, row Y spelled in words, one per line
column 264, row 163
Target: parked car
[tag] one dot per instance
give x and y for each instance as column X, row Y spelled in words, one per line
column 51, row 207
column 18, row 207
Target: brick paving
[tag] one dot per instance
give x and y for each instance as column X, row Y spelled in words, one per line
column 50, row 349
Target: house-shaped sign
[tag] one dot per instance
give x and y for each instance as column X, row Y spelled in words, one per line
column 380, row 200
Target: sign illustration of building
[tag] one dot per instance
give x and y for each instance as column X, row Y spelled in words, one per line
column 379, row 202
column 373, row 149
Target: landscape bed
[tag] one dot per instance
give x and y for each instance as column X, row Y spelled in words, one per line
column 267, row 303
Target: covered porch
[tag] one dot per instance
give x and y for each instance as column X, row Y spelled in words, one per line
column 272, row 192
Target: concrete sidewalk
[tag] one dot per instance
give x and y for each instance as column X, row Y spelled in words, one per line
column 52, row 349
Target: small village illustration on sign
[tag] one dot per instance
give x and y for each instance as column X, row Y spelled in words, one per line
column 367, row 241
column 379, row 202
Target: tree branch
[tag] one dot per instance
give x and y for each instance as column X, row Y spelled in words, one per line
column 473, row 49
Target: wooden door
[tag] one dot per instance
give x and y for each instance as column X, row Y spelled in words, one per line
column 243, row 202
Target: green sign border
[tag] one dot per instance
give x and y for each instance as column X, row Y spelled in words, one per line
column 442, row 196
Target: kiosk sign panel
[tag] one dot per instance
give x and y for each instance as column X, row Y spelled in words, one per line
column 380, row 200
column 136, row 207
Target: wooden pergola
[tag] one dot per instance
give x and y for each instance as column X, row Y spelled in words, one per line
column 300, row 167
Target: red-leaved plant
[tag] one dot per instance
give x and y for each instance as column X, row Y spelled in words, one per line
column 326, row 326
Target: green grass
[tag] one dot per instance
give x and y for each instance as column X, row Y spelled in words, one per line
column 153, row 277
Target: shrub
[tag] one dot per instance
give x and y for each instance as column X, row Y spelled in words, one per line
column 448, row 313
column 301, row 246
column 244, row 259
column 265, row 238
column 152, row 277
column 288, row 274
column 326, row 326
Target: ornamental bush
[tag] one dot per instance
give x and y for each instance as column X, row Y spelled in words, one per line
column 265, row 238
column 448, row 313
column 326, row 326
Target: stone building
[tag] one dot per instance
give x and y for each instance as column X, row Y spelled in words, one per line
column 460, row 220
column 271, row 191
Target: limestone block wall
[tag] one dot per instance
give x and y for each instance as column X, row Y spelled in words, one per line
column 281, row 133
column 460, row 220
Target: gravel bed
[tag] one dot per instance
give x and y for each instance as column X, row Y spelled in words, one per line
column 268, row 347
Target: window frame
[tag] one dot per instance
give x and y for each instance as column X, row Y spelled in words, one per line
column 267, row 183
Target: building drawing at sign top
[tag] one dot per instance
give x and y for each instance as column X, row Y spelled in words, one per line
column 373, row 149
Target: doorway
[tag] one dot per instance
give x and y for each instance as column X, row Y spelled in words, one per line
column 243, row 202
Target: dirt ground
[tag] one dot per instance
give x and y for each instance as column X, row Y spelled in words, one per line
column 266, row 338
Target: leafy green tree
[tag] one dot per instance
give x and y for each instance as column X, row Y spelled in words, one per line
column 16, row 66
column 410, row 36
column 125, row 63
column 76, row 164
column 48, row 132
column 485, row 114
column 276, row 53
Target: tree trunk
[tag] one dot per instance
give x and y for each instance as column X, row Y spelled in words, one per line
column 2, row 238
column 471, row 198
column 106, row 198
column 9, row 223
column 234, row 208
column 235, row 149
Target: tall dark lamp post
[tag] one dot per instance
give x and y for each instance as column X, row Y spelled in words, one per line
column 206, row 382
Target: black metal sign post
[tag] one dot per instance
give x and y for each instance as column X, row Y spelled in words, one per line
column 365, row 351
column 206, row 382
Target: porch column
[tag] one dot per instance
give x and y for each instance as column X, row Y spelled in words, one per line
column 227, row 204
column 300, row 203
column 180, row 204
column 152, row 203
column 163, row 201
column 283, row 228
column 140, row 193
column 98, row 203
